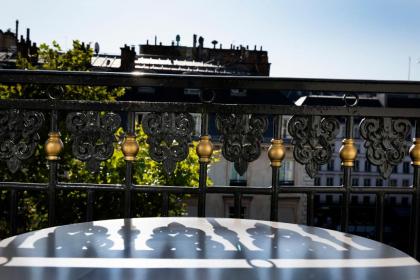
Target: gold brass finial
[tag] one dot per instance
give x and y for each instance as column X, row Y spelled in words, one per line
column 276, row 152
column 415, row 152
column 348, row 153
column 204, row 149
column 53, row 146
column 130, row 147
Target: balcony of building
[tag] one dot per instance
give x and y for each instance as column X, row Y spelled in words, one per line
column 347, row 158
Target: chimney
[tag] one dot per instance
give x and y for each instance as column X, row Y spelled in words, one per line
column 28, row 33
column 128, row 57
column 17, row 30
column 194, row 41
column 155, row 40
column 201, row 42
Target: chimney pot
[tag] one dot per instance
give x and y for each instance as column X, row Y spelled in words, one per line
column 17, row 30
column 194, row 41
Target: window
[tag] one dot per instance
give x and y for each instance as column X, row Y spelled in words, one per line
column 393, row 200
column 317, row 181
column 330, row 181
column 286, row 173
column 197, row 124
column 393, row 183
column 236, row 179
column 356, row 133
column 229, row 206
column 355, row 181
column 366, row 199
column 405, row 183
column 356, row 165
column 406, row 167
column 284, row 132
column 367, row 166
column 358, row 148
column 405, row 200
column 231, row 213
column 238, row 92
column 366, row 182
column 395, row 169
column 341, row 181
column 379, row 182
column 138, row 117
column 192, row 91
column 329, row 199
column 330, row 166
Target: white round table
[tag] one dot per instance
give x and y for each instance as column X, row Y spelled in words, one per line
column 198, row 248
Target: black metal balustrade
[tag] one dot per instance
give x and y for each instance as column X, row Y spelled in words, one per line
column 386, row 132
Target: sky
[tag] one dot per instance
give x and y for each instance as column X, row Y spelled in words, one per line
column 349, row 39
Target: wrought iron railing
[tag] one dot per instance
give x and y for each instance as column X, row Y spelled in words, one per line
column 386, row 132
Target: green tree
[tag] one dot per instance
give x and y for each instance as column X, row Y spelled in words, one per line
column 33, row 205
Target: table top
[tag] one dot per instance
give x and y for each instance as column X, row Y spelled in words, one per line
column 198, row 248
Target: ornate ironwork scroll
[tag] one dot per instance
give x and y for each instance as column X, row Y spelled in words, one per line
column 168, row 137
column 241, row 138
column 18, row 136
column 92, row 136
column 386, row 144
column 313, row 139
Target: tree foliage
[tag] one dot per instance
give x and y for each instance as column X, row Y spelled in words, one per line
column 72, row 204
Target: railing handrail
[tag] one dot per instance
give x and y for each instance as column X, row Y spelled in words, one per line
column 147, row 106
column 53, row 77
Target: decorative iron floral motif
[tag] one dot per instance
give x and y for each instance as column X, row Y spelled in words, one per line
column 386, row 144
column 18, row 136
column 241, row 138
column 313, row 140
column 168, row 137
column 92, row 136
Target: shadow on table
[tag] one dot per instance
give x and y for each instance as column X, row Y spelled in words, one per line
column 177, row 240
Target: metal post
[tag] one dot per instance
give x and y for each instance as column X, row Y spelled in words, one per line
column 310, row 215
column 380, row 197
column 53, row 148
column 90, row 203
column 204, row 152
column 348, row 154
column 165, row 204
column 276, row 153
column 415, row 210
column 13, row 211
column 238, row 204
column 129, row 165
